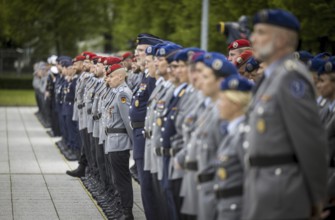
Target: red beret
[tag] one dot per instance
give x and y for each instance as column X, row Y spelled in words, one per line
column 112, row 68
column 112, row 60
column 239, row 44
column 88, row 55
column 127, row 55
column 78, row 58
column 243, row 58
column 101, row 59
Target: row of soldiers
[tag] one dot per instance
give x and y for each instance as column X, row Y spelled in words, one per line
column 248, row 136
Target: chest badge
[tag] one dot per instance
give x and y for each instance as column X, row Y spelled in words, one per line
column 222, row 173
column 137, row 103
column 159, row 122
column 261, row 126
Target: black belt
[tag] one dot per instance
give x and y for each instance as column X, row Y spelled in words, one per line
column 191, row 165
column 80, row 106
column 97, row 117
column 139, row 124
column 115, row 130
column 89, row 111
column 267, row 161
column 202, row 178
column 169, row 152
column 230, row 192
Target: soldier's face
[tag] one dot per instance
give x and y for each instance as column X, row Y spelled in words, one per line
column 100, row 70
column 226, row 107
column 113, row 80
column 263, row 41
column 140, row 54
column 233, row 54
column 171, row 70
column 150, row 64
column 210, row 83
column 326, row 86
column 162, row 66
column 86, row 65
column 199, row 66
column 182, row 72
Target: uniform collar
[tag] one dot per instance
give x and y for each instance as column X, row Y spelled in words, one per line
column 207, row 101
column 269, row 70
column 331, row 106
column 159, row 81
column 178, row 89
column 234, row 123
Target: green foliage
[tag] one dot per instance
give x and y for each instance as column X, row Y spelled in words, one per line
column 58, row 25
column 17, row 97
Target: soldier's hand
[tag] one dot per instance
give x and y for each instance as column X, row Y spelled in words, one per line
column 46, row 95
column 317, row 212
column 176, row 164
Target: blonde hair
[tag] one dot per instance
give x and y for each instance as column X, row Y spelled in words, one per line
column 239, row 98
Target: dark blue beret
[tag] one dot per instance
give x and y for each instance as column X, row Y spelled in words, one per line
column 148, row 39
column 324, row 55
column 219, row 63
column 236, row 83
column 186, row 53
column 152, row 50
column 60, row 58
column 328, row 66
column 66, row 63
column 251, row 64
column 316, row 64
column 277, row 17
column 167, row 49
column 303, row 55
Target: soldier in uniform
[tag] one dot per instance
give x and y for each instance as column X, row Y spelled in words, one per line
column 286, row 159
column 228, row 166
column 236, row 47
column 241, row 61
column 137, row 113
column 119, row 137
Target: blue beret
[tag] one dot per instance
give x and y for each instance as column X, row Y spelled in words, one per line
column 66, row 63
column 152, row 50
column 60, row 58
column 184, row 54
column 278, row 17
column 303, row 55
column 237, row 83
column 148, row 39
column 316, row 64
column 198, row 57
column 328, row 66
column 251, row 64
column 219, row 63
column 167, row 49
column 324, row 55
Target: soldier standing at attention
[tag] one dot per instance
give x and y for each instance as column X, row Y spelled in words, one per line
column 286, row 159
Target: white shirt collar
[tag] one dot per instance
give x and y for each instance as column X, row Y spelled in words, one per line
column 178, row 89
column 159, row 81
column 232, row 125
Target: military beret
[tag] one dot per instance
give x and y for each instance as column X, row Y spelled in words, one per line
column 324, row 56
column 127, row 55
column 165, row 50
column 186, row 53
column 303, row 55
column 236, row 83
column 328, row 66
column 151, row 50
column 101, row 59
column 78, row 58
column 277, row 17
column 149, row 39
column 112, row 68
column 251, row 64
column 219, row 63
column 243, row 58
column 198, row 57
column 58, row 59
column 111, row 60
column 240, row 43
column 316, row 64
column 65, row 63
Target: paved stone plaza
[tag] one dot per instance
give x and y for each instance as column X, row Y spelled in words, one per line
column 33, row 183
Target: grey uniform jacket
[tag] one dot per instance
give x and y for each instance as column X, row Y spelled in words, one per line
column 117, row 117
column 149, row 120
column 88, row 100
column 96, row 114
column 156, row 161
column 80, row 89
column 283, row 120
column 75, row 116
column 105, row 100
column 228, row 174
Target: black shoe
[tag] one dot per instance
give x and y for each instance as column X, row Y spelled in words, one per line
column 133, row 172
column 79, row 172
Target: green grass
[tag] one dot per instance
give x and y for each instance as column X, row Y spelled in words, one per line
column 17, row 97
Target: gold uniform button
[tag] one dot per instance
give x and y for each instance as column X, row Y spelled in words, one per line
column 261, row 126
column 222, row 173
